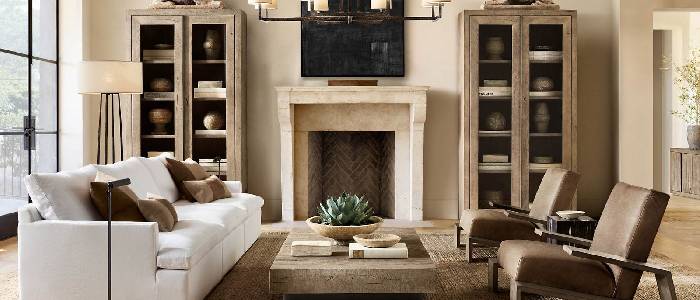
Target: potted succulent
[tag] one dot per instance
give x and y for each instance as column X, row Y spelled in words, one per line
column 343, row 217
column 688, row 82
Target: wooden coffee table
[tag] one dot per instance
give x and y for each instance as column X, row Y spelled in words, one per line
column 337, row 277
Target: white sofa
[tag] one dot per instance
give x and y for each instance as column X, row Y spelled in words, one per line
column 63, row 249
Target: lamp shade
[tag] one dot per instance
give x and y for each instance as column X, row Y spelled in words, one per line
column 115, row 77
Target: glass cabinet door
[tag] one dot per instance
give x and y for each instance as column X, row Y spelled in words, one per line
column 547, row 73
column 494, row 118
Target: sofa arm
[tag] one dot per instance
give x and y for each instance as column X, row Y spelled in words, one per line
column 68, row 260
column 29, row 213
column 235, row 187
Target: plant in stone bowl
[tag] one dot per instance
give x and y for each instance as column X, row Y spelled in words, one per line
column 342, row 217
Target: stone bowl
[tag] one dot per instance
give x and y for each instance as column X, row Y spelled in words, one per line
column 377, row 240
column 342, row 234
column 570, row 214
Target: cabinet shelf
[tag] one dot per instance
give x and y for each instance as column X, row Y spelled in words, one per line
column 158, row 136
column 503, row 133
column 158, row 61
column 210, row 99
column 546, row 61
column 495, row 98
column 208, row 61
column 547, row 134
column 495, row 167
column 495, row 61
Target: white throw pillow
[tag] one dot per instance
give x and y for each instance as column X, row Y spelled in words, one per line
column 141, row 181
column 164, row 182
column 63, row 195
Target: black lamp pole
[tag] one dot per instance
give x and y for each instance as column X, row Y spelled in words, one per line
column 110, row 186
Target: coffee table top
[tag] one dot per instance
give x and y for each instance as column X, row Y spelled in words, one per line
column 339, row 274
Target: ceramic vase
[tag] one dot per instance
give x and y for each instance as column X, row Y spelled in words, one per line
column 212, row 44
column 160, row 118
column 542, row 84
column 161, row 85
column 693, row 137
column 496, row 121
column 542, row 118
column 213, row 120
column 495, row 47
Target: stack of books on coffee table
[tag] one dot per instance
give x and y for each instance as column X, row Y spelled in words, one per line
column 356, row 250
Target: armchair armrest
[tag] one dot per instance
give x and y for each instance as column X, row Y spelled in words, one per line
column 235, row 187
column 68, row 259
column 614, row 259
column 563, row 238
column 522, row 216
column 507, row 207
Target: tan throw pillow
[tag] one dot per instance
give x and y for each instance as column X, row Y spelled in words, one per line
column 160, row 211
column 208, row 190
column 124, row 201
column 188, row 170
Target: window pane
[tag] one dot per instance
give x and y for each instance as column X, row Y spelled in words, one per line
column 44, row 29
column 44, row 98
column 44, row 158
column 13, row 91
column 13, row 167
column 14, row 18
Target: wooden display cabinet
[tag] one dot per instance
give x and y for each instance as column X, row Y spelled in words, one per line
column 518, row 103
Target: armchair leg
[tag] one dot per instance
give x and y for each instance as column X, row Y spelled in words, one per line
column 516, row 291
column 493, row 274
column 457, row 236
column 667, row 290
column 469, row 250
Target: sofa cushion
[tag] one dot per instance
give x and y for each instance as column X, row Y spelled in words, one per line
column 548, row 265
column 165, row 185
column 63, row 195
column 224, row 216
column 494, row 225
column 141, row 181
column 207, row 190
column 251, row 203
column 124, row 203
column 184, row 171
column 188, row 242
column 160, row 211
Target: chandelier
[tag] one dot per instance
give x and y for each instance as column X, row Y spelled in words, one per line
column 349, row 11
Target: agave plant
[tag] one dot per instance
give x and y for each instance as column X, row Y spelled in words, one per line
column 345, row 210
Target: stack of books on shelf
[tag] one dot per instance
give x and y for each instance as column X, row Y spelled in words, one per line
column 209, row 92
column 358, row 251
column 167, row 54
column 212, row 167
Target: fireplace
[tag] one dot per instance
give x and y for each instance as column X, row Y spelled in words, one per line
column 362, row 140
column 356, row 162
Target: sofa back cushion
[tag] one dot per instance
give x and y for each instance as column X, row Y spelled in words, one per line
column 187, row 170
column 63, row 195
column 124, row 202
column 141, row 181
column 165, row 185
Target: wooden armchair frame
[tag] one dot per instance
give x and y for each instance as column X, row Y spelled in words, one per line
column 664, row 279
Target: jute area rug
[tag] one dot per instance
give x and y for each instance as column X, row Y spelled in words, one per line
column 458, row 280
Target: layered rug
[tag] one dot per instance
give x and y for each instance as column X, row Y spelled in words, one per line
column 458, row 280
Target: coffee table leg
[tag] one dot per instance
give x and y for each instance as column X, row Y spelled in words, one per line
column 354, row 297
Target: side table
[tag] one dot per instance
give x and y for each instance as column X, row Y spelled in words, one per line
column 582, row 227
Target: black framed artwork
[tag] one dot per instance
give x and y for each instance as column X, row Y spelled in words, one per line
column 353, row 50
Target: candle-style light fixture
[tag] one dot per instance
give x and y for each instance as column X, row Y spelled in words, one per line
column 349, row 11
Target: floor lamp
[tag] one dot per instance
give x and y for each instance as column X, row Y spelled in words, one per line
column 109, row 79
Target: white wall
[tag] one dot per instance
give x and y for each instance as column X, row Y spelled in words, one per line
column 432, row 59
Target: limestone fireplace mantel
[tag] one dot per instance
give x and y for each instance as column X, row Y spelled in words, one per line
column 401, row 109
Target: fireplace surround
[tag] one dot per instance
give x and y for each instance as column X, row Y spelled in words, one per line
column 386, row 123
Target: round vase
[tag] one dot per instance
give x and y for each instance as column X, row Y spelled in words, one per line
column 213, row 120
column 495, row 47
column 160, row 118
column 212, row 44
column 496, row 121
column 161, row 85
column 693, row 137
column 542, row 118
column 542, row 84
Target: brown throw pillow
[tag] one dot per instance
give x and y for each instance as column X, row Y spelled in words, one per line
column 160, row 211
column 187, row 170
column 124, row 202
column 208, row 190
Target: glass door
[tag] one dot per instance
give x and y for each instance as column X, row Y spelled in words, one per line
column 494, row 107
column 28, row 100
column 548, row 80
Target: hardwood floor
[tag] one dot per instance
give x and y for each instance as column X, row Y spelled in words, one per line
column 678, row 237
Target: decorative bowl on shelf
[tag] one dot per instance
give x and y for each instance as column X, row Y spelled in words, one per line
column 570, row 214
column 163, row 46
column 160, row 118
column 213, row 120
column 377, row 240
column 161, row 85
column 342, row 234
column 542, row 159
